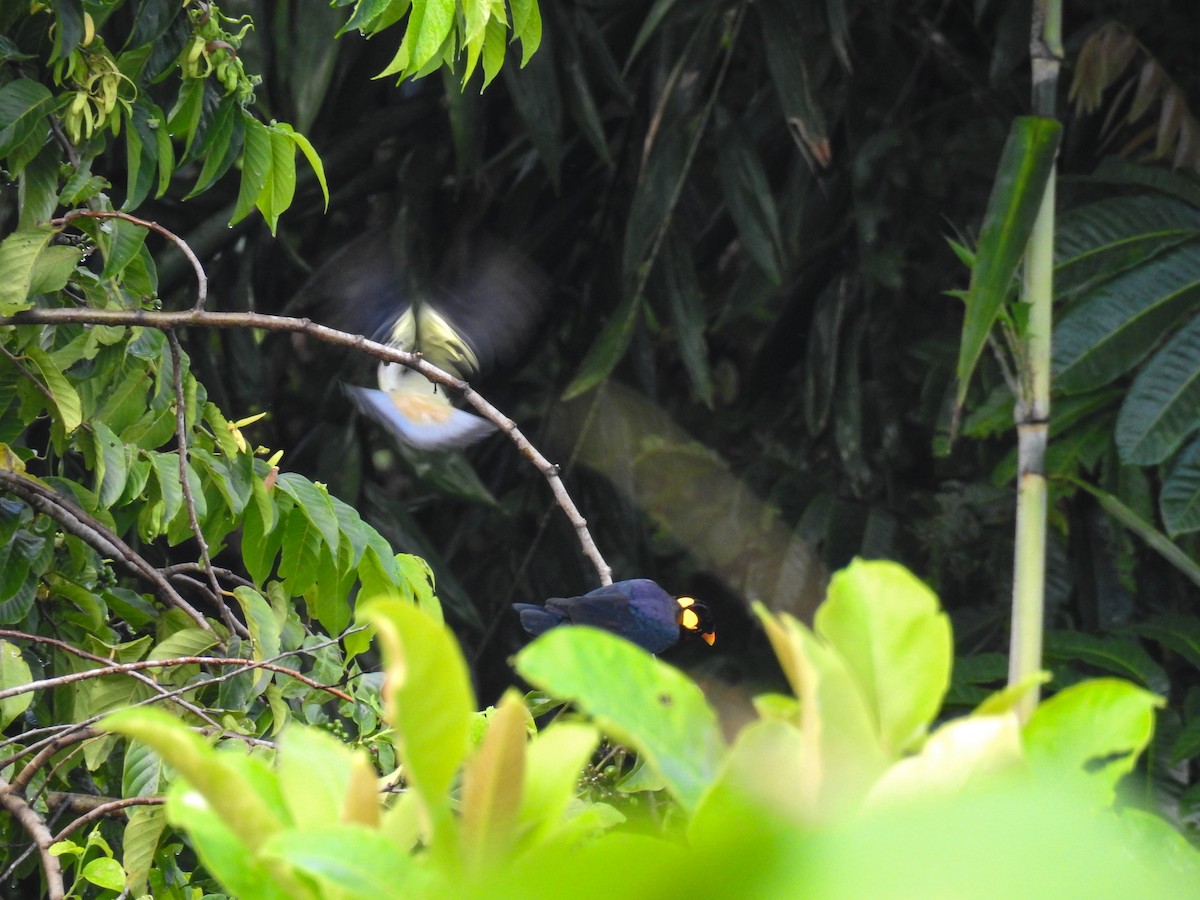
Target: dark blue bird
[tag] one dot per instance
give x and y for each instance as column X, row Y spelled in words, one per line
column 637, row 610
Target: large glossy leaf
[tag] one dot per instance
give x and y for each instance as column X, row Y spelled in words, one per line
column 651, row 706
column 218, row 777
column 1179, row 500
column 14, row 671
column 428, row 699
column 1162, row 409
column 1085, row 738
column 896, row 641
column 1024, row 170
column 1113, row 328
column 18, row 256
column 1097, row 241
column 841, row 755
column 350, row 860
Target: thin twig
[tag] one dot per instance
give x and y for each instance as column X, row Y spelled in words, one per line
column 180, row 570
column 13, row 801
column 49, row 746
column 137, row 665
column 185, row 482
column 22, row 370
column 92, row 657
column 77, row 522
column 201, row 278
column 199, row 318
column 106, row 809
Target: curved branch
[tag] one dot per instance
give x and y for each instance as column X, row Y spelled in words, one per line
column 77, row 522
column 105, row 809
column 199, row 318
column 201, row 278
column 13, row 801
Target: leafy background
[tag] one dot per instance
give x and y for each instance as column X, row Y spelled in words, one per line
column 746, row 368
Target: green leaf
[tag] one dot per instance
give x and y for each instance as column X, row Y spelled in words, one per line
column 1093, row 243
column 184, row 117
column 608, row 349
column 301, row 553
column 350, row 860
column 651, row 707
column 1025, row 167
column 428, row 699
column 122, row 243
column 190, row 641
column 1112, row 329
column 104, row 872
column 112, row 464
column 526, row 27
column 256, row 167
column 280, row 186
column 222, row 144
column 1112, row 653
column 24, row 105
column 433, row 27
column 790, row 54
column 18, row 256
column 1085, row 738
column 310, row 154
column 896, row 641
column 1162, row 408
column 1157, row 541
column 54, row 267
column 139, row 841
column 14, row 671
column 217, row 777
column 554, row 760
column 841, row 756
column 141, row 774
column 750, row 199
column 1179, row 500
column 493, row 783
column 314, row 501
column 314, row 773
column 66, row 400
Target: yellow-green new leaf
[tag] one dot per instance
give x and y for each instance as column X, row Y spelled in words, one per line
column 1088, row 736
column 427, row 698
column 896, row 641
column 493, row 782
column 222, row 784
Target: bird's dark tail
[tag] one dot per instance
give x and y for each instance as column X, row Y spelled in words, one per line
column 537, row 619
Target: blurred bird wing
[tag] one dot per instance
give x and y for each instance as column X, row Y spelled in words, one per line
column 494, row 302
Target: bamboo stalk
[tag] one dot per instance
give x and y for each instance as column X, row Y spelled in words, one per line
column 1033, row 404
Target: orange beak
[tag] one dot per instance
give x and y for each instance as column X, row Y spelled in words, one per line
column 709, row 638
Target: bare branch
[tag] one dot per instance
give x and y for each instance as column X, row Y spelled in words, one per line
column 77, row 522
column 125, row 668
column 12, row 800
column 92, row 657
column 109, row 808
column 199, row 318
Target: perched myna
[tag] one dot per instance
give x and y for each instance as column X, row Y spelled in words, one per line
column 638, row 610
column 478, row 317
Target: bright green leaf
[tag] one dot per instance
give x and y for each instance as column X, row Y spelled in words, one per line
column 652, row 707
